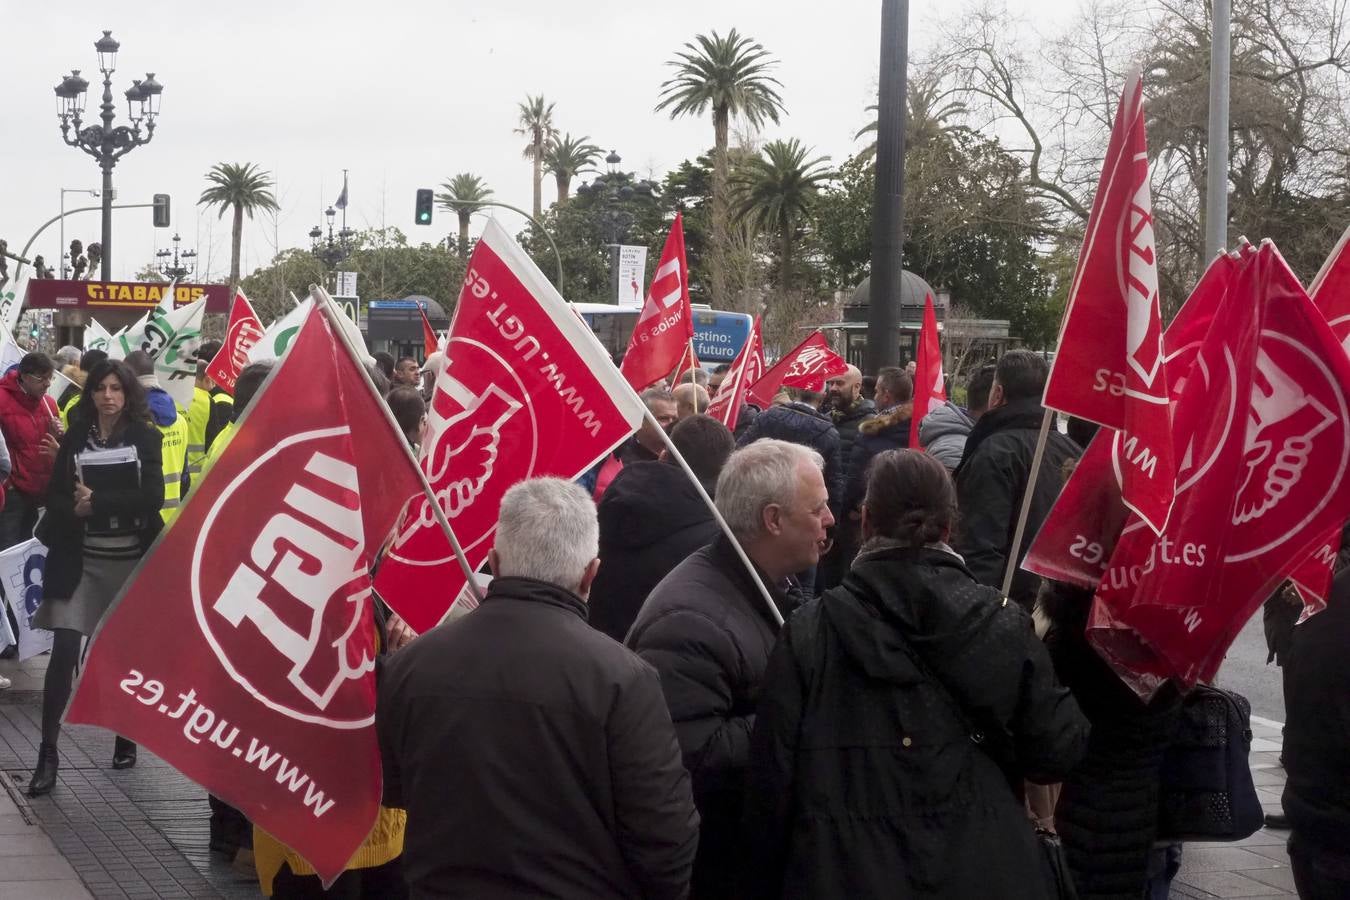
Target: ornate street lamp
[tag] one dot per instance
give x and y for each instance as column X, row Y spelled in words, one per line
column 104, row 142
column 175, row 265
column 331, row 249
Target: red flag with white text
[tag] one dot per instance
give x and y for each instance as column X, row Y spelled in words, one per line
column 429, row 343
column 265, row 692
column 243, row 331
column 930, row 387
column 661, row 338
column 1108, row 364
column 1267, row 440
column 1077, row 538
column 527, row 391
column 807, row 366
column 745, row 370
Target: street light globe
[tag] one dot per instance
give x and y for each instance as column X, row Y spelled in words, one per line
column 107, row 52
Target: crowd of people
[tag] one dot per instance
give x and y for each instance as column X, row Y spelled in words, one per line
column 624, row 716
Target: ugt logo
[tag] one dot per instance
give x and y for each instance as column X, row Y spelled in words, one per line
column 1137, row 272
column 286, row 607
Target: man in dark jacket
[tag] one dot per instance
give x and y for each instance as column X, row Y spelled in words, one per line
column 943, row 431
column 798, row 422
column 888, row 430
column 993, row 475
column 847, row 409
column 1317, row 748
column 707, row 630
column 534, row 755
column 651, row 518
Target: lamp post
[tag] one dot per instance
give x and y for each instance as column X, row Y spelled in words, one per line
column 105, row 143
column 175, row 265
column 614, row 190
column 331, row 249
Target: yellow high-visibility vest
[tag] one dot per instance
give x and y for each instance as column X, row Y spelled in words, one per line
column 198, row 415
column 174, row 450
column 65, row 411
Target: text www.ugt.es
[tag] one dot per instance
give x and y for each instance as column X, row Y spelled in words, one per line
column 202, row 722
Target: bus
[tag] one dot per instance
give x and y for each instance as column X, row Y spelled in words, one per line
column 718, row 335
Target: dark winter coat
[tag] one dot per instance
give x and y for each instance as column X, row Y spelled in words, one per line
column 1317, row 724
column 886, row 431
column 534, row 756
column 707, row 632
column 1107, row 816
column 866, row 781
column 651, row 518
column 798, row 423
column 943, row 434
column 990, row 483
column 848, row 422
column 63, row 532
column 24, row 420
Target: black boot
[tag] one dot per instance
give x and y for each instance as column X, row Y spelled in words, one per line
column 124, row 753
column 44, row 776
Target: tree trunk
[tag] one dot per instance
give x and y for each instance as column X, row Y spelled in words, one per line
column 538, row 173
column 720, row 237
column 564, row 186
column 464, row 233
column 236, row 244
column 785, row 261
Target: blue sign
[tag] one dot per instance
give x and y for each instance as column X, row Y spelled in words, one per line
column 718, row 336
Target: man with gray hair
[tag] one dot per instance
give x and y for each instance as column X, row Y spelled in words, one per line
column 708, row 632
column 534, row 755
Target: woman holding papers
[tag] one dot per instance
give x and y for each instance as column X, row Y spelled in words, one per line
column 103, row 504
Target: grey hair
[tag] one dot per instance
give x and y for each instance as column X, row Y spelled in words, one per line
column 68, row 355
column 547, row 530
column 757, row 475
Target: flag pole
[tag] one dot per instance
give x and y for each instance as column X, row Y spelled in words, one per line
column 721, row 522
column 735, row 404
column 329, row 310
column 1032, row 477
column 692, row 360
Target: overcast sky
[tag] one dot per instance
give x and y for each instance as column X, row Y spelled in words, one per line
column 402, row 93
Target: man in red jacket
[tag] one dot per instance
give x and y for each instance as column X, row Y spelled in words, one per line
column 31, row 425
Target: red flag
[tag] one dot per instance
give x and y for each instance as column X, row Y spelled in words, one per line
column 1077, row 538
column 244, row 330
column 666, row 326
column 527, row 391
column 1108, row 366
column 807, row 366
column 265, row 695
column 688, row 363
column 1267, row 440
column 930, row 388
column 429, row 342
column 745, row 370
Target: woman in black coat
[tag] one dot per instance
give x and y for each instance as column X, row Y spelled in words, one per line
column 898, row 712
column 1107, row 815
column 94, row 537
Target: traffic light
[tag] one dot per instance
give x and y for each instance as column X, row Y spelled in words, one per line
column 423, row 213
column 161, row 210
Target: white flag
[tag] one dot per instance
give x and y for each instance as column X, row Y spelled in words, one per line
column 11, row 304
column 176, row 365
column 279, row 334
column 21, row 569
column 96, row 337
column 127, row 338
column 11, row 353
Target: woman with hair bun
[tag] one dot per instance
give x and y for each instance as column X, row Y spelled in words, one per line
column 900, row 713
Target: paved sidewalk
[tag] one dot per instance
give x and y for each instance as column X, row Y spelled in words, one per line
column 142, row 833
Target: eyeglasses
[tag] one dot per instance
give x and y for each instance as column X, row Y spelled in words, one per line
column 41, row 379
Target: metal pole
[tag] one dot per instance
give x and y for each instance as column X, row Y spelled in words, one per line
column 106, row 161
column 53, row 219
column 63, row 234
column 888, row 210
column 1216, row 181
column 542, row 230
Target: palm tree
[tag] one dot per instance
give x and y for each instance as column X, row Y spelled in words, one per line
column 774, row 192
column 730, row 76
column 566, row 158
column 246, row 188
column 925, row 121
column 464, row 194
column 536, row 123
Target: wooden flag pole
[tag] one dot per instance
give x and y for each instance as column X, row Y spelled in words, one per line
column 330, row 311
column 1032, row 477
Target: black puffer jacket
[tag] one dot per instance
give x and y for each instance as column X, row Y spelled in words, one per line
column 1317, row 730
column 866, row 781
column 708, row 634
column 651, row 518
column 990, row 483
column 885, row 431
column 800, row 424
column 1107, row 815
